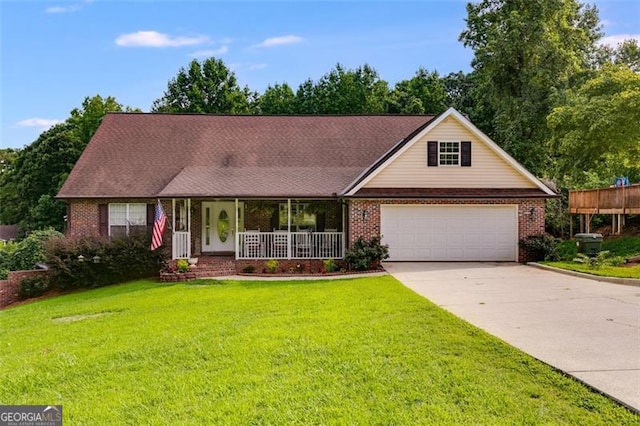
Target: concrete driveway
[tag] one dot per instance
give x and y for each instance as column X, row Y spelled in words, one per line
column 586, row 328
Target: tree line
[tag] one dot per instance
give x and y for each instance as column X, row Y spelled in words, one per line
column 541, row 86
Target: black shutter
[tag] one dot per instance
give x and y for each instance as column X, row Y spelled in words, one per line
column 103, row 215
column 151, row 216
column 465, row 154
column 432, row 150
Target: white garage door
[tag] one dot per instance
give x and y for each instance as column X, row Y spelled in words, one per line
column 450, row 232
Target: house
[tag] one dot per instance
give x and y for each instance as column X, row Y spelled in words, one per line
column 8, row 233
column 435, row 188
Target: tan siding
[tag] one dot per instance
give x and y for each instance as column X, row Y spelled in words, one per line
column 487, row 169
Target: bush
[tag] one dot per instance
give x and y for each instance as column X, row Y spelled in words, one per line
column 34, row 286
column 271, row 265
column 566, row 250
column 249, row 269
column 330, row 265
column 603, row 258
column 116, row 260
column 541, row 246
column 182, row 265
column 31, row 250
column 364, row 255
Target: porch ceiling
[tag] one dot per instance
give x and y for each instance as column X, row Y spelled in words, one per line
column 202, row 181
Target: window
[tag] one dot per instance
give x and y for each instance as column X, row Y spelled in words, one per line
column 300, row 217
column 449, row 154
column 125, row 218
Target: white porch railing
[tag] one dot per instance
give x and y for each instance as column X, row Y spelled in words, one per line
column 290, row 245
column 181, row 245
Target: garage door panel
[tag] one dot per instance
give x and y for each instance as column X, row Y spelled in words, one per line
column 450, row 232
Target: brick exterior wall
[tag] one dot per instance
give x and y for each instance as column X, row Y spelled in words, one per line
column 364, row 216
column 10, row 288
column 285, row 266
column 83, row 216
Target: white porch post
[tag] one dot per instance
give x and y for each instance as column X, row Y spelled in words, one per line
column 237, row 236
column 345, row 228
column 288, row 228
column 189, row 227
column 173, row 227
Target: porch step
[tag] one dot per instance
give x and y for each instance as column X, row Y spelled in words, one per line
column 214, row 267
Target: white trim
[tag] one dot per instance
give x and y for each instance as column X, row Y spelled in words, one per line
column 469, row 126
column 127, row 216
column 458, row 153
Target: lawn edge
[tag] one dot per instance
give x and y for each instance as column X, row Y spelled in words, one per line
column 613, row 280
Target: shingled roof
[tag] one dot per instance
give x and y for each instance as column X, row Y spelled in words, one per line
column 172, row 155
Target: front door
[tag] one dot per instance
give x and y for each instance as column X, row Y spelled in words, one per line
column 219, row 225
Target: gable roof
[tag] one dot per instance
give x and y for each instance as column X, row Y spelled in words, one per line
column 141, row 155
column 403, row 145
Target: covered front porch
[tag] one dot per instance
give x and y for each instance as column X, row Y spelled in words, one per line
column 249, row 229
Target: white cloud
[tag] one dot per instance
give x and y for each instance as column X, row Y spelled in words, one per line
column 615, row 40
column 209, row 52
column 73, row 7
column 278, row 41
column 42, row 123
column 256, row 66
column 156, row 39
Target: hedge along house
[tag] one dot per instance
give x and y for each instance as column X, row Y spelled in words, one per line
column 305, row 187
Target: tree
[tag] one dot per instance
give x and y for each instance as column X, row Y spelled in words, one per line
column 207, row 87
column 40, row 169
column 88, row 117
column 595, row 129
column 424, row 93
column 524, row 52
column 626, row 53
column 28, row 188
column 277, row 99
column 359, row 91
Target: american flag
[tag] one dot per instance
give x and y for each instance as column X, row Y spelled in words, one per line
column 158, row 227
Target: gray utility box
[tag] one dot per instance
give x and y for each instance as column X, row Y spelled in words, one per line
column 589, row 244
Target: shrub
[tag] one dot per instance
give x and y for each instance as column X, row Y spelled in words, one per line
column 31, row 250
column 118, row 260
column 601, row 259
column 182, row 265
column 364, row 255
column 249, row 269
column 566, row 250
column 541, row 246
column 271, row 265
column 34, row 286
column 330, row 265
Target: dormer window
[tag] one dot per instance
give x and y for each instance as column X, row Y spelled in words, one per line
column 449, row 153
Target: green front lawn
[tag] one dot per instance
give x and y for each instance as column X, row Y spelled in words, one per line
column 625, row 246
column 603, row 271
column 361, row 351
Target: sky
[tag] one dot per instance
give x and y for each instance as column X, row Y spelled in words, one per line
column 53, row 54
